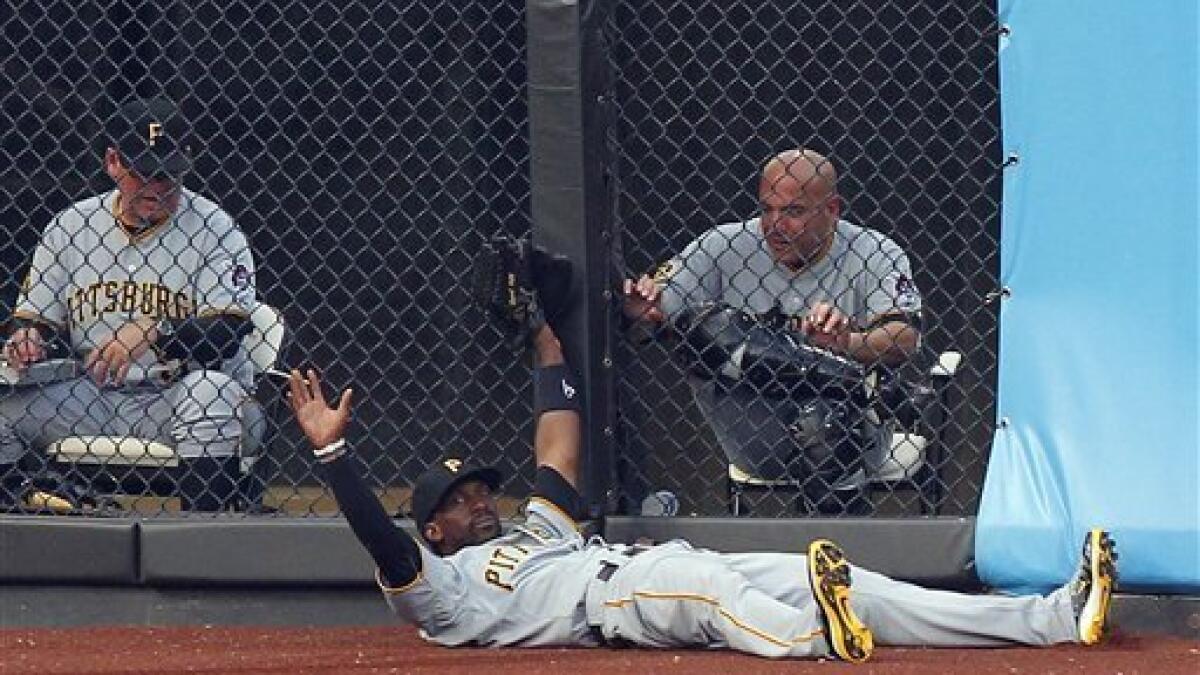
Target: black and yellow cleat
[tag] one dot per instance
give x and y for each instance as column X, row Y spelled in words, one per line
column 829, row 577
column 1092, row 586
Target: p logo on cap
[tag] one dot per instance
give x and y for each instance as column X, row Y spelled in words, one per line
column 152, row 137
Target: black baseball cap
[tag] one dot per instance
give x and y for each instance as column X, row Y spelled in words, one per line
column 438, row 480
column 151, row 135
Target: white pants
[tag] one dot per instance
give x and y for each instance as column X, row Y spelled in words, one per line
column 760, row 603
column 197, row 415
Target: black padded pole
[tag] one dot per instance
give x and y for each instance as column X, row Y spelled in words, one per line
column 572, row 201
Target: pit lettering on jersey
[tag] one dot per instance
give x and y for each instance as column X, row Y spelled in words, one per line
column 503, row 563
column 128, row 297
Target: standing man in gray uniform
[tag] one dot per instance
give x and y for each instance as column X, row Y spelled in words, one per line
column 542, row 583
column 151, row 285
column 844, row 288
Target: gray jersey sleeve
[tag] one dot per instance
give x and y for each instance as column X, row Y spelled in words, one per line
column 546, row 520
column 225, row 282
column 694, row 276
column 436, row 598
column 887, row 285
column 44, row 291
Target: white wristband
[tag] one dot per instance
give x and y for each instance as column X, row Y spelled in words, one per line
column 331, row 452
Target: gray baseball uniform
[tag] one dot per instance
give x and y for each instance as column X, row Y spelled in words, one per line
column 864, row 274
column 543, row 584
column 89, row 276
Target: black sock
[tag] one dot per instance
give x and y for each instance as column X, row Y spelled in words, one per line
column 208, row 483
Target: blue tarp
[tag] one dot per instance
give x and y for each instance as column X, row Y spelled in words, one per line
column 1097, row 405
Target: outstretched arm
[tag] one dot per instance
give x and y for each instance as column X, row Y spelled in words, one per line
column 395, row 553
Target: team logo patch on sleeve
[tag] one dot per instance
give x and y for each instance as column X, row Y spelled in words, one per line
column 241, row 283
column 240, row 277
column 907, row 296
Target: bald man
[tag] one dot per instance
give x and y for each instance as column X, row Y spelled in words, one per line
column 844, row 288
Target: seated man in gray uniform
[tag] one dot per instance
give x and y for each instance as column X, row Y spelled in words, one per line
column 473, row 581
column 151, row 286
column 802, row 273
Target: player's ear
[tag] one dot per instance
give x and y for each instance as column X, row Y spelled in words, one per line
column 433, row 533
column 835, row 205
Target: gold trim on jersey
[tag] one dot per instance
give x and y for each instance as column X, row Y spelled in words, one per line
column 696, row 597
column 388, row 590
column 136, row 236
column 232, row 310
column 557, row 508
column 38, row 318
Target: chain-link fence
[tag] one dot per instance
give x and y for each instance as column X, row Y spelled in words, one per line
column 366, row 150
column 901, row 97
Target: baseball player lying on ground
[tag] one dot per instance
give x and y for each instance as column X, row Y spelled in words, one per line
column 544, row 584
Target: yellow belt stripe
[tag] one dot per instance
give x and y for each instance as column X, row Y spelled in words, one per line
column 757, row 632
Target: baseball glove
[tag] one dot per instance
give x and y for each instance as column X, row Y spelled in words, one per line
column 521, row 286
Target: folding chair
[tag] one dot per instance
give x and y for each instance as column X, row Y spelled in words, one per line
column 133, row 465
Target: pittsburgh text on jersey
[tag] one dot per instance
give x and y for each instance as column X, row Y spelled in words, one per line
column 503, row 563
column 128, row 297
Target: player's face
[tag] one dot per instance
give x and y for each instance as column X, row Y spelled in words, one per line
column 468, row 516
column 143, row 198
column 798, row 217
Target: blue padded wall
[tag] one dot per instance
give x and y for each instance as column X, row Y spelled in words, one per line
column 1097, row 408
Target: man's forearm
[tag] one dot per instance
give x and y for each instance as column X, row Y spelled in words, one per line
column 890, row 343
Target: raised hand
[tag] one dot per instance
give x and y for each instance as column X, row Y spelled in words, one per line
column 321, row 424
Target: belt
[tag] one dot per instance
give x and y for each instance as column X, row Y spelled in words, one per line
column 606, row 571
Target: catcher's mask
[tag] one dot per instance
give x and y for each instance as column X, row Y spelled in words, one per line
column 439, row 480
